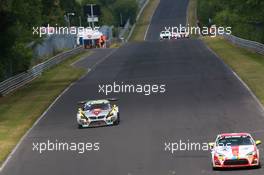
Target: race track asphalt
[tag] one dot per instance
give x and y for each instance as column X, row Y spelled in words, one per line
column 202, row 99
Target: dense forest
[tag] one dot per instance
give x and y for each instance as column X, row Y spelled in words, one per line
column 246, row 17
column 18, row 17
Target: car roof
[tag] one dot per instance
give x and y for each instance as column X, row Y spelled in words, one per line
column 234, row 134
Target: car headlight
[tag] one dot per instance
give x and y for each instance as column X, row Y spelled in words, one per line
column 219, row 154
column 110, row 114
column 251, row 153
column 82, row 116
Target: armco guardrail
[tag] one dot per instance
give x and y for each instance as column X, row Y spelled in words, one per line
column 252, row 45
column 21, row 79
column 143, row 4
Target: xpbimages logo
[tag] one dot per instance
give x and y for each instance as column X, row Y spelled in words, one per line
column 213, row 31
column 145, row 89
column 55, row 145
column 188, row 145
column 61, row 30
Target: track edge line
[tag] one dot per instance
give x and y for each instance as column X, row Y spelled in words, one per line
column 38, row 120
column 240, row 80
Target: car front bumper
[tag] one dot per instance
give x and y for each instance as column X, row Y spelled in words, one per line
column 96, row 122
column 249, row 161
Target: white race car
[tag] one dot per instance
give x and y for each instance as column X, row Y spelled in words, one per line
column 94, row 113
column 232, row 150
column 184, row 34
column 165, row 35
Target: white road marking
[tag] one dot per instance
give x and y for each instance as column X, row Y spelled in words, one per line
column 241, row 81
column 146, row 32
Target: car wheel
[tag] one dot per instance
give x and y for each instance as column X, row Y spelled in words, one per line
column 80, row 126
column 214, row 168
column 117, row 120
column 258, row 166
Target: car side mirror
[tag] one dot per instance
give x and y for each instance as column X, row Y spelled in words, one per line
column 80, row 110
column 211, row 144
column 258, row 142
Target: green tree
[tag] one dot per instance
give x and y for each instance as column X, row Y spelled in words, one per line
column 245, row 17
column 17, row 18
column 125, row 9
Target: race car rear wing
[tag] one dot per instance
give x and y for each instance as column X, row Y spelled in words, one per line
column 112, row 99
column 85, row 101
column 81, row 102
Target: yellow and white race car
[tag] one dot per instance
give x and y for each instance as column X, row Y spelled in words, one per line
column 94, row 113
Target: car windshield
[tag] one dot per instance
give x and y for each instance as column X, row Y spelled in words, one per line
column 102, row 106
column 234, row 141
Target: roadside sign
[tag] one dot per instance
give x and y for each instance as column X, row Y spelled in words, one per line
column 94, row 19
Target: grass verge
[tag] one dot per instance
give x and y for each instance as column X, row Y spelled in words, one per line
column 247, row 64
column 192, row 15
column 144, row 21
column 20, row 109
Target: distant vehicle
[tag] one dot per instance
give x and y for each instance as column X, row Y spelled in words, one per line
column 175, row 35
column 94, row 113
column 165, row 35
column 180, row 34
column 235, row 150
column 184, row 33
